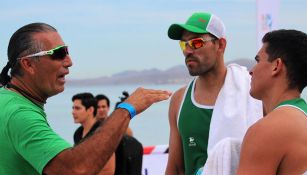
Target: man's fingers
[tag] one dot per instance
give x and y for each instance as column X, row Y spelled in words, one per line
column 142, row 98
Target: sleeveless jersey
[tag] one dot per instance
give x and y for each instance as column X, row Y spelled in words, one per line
column 297, row 103
column 194, row 123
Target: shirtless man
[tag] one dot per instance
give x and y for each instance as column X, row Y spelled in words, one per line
column 277, row 143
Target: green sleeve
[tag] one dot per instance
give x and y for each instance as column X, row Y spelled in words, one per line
column 33, row 138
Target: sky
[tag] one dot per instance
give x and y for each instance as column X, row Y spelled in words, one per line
column 106, row 37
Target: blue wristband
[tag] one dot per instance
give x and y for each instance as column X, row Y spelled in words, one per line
column 128, row 107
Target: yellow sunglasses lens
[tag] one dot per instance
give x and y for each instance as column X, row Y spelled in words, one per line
column 182, row 45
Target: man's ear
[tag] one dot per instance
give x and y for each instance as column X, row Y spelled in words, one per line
column 222, row 44
column 91, row 110
column 27, row 65
column 277, row 67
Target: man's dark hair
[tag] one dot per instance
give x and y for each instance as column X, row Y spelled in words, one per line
column 103, row 97
column 21, row 44
column 291, row 47
column 87, row 100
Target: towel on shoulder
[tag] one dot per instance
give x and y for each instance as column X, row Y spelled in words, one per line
column 234, row 112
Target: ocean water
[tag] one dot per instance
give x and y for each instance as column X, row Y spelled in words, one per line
column 150, row 127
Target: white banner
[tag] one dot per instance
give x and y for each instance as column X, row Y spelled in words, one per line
column 154, row 164
column 267, row 18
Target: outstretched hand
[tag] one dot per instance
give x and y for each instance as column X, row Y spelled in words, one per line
column 142, row 98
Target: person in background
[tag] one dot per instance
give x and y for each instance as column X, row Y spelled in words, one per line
column 276, row 144
column 103, row 106
column 215, row 105
column 38, row 62
column 84, row 111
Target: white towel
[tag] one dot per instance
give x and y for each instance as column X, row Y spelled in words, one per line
column 235, row 110
column 224, row 158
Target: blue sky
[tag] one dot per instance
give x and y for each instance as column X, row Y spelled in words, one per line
column 109, row 36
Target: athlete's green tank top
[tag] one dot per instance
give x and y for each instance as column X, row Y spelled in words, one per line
column 194, row 123
column 297, row 103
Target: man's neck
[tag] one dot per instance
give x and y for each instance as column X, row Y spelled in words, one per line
column 214, row 78
column 25, row 90
column 87, row 125
column 271, row 101
column 207, row 87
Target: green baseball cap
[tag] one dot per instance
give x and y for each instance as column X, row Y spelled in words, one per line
column 199, row 23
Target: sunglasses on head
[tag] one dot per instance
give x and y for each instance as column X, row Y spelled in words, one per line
column 58, row 53
column 195, row 43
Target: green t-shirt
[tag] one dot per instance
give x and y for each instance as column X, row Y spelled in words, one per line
column 27, row 143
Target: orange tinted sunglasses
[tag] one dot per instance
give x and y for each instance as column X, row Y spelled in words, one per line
column 195, row 43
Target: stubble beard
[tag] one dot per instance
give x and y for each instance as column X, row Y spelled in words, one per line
column 199, row 70
column 193, row 70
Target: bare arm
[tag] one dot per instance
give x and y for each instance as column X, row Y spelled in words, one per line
column 91, row 155
column 274, row 145
column 175, row 165
column 109, row 168
column 262, row 148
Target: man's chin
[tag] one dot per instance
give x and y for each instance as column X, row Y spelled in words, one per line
column 254, row 95
column 101, row 117
column 193, row 73
column 57, row 91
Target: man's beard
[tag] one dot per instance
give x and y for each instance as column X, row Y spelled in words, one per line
column 197, row 70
